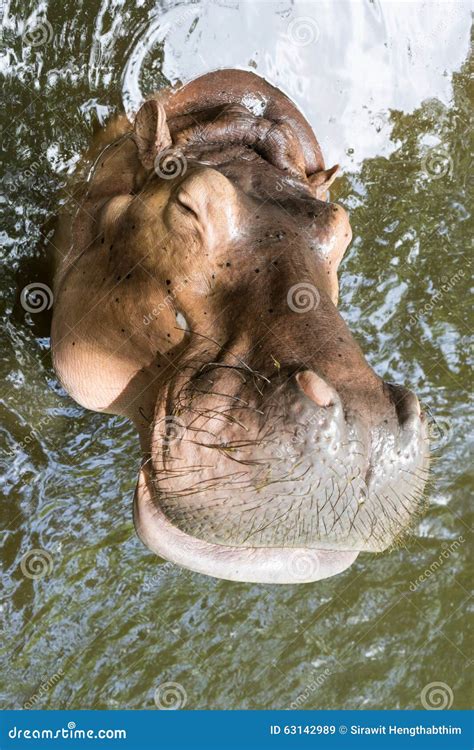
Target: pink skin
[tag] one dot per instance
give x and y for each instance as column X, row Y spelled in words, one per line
column 203, row 307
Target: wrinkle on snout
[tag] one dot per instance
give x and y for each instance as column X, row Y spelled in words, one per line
column 288, row 471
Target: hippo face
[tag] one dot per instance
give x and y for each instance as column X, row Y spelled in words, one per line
column 272, row 451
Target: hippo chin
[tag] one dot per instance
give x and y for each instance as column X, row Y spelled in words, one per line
column 197, row 296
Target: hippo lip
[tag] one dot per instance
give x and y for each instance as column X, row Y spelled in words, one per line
column 244, row 564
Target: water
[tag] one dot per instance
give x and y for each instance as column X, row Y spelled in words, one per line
column 386, row 88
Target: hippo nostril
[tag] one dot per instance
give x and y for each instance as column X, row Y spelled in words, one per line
column 315, row 388
column 406, row 404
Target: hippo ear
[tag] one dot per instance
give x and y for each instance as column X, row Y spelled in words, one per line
column 151, row 133
column 321, row 181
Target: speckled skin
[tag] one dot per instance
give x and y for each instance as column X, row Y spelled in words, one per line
column 176, row 306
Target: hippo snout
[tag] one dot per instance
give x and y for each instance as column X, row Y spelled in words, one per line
column 283, row 463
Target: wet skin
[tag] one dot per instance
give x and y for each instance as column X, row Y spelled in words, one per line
column 201, row 304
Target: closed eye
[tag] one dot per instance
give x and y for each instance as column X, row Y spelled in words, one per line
column 186, row 202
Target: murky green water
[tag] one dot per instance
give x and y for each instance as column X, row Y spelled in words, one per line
column 110, row 622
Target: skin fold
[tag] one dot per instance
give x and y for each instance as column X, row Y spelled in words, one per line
column 196, row 294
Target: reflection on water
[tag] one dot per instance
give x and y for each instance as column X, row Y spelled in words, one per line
column 95, row 620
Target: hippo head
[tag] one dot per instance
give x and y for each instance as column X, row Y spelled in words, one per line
column 272, row 450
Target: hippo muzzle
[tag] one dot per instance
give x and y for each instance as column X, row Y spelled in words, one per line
column 272, row 452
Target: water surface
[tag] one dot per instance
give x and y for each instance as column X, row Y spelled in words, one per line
column 386, row 88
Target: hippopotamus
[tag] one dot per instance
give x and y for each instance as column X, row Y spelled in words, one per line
column 196, row 294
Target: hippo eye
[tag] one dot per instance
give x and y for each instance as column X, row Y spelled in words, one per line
column 186, row 202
